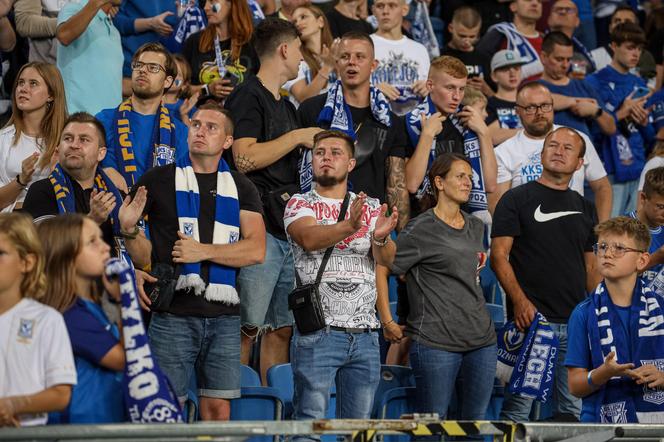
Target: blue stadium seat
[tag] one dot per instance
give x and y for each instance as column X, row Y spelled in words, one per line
column 391, row 376
column 257, row 404
column 249, row 377
column 393, row 404
column 280, row 377
column 496, row 402
column 497, row 313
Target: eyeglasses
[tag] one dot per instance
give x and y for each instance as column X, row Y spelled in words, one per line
column 564, row 11
column 153, row 68
column 616, row 250
column 532, row 109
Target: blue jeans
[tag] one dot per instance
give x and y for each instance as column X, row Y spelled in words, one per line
column 352, row 360
column 264, row 288
column 436, row 372
column 624, row 196
column 210, row 347
column 517, row 408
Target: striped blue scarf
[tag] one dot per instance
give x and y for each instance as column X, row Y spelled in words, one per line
column 519, row 43
column 148, row 395
column 221, row 286
column 621, row 400
column 422, row 30
column 337, row 116
column 64, row 198
column 471, row 148
column 192, row 21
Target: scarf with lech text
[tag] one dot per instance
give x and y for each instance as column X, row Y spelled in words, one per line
column 526, row 361
column 471, row 148
column 163, row 141
column 336, row 114
column 64, row 197
column 149, row 397
column 621, row 400
column 221, row 285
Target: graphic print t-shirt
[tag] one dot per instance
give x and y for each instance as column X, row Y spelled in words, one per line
column 348, row 286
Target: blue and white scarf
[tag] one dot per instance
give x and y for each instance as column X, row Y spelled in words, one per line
column 148, row 395
column 422, row 30
column 517, row 42
column 471, row 148
column 257, row 14
column 621, row 400
column 64, row 198
column 193, row 20
column 337, row 116
column 527, row 361
column 221, row 286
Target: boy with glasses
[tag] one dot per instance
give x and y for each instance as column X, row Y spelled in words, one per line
column 616, row 335
column 143, row 132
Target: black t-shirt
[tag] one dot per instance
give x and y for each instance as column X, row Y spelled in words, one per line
column 551, row 229
column 504, row 111
column 40, row 203
column 476, row 64
column 204, row 67
column 340, row 24
column 375, row 143
column 258, row 115
column 163, row 223
column 656, row 46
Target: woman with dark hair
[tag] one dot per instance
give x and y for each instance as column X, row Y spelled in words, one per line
column 75, row 256
column 221, row 55
column 28, row 141
column 441, row 253
column 317, row 68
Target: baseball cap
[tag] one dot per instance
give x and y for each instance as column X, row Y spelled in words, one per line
column 506, row 58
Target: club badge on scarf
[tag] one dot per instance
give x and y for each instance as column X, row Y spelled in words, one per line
column 64, row 197
column 163, row 141
column 621, row 400
column 221, row 285
column 148, row 395
column 471, row 148
column 526, row 361
column 336, row 114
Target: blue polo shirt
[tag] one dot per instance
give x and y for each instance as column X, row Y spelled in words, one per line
column 91, row 66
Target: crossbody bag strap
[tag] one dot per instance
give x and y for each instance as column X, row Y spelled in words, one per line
column 328, row 252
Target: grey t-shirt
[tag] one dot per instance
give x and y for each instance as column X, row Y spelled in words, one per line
column 442, row 264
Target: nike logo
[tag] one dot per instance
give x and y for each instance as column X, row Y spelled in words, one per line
column 544, row 217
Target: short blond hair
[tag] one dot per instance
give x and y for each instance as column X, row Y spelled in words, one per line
column 472, row 96
column 628, row 226
column 467, row 16
column 450, row 65
column 21, row 233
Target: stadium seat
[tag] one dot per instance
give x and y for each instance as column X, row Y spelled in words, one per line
column 257, row 404
column 393, row 404
column 280, row 377
column 391, row 376
column 249, row 377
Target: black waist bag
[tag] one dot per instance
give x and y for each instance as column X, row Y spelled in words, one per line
column 305, row 300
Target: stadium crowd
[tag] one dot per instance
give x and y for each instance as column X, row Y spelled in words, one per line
column 190, row 186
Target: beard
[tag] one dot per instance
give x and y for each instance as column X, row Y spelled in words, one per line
column 539, row 130
column 329, row 180
column 145, row 94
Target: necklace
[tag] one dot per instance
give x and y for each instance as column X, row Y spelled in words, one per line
column 456, row 223
column 276, row 97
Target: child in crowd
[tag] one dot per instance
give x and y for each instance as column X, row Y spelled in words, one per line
column 36, row 362
column 179, row 97
column 616, row 336
column 75, row 255
column 476, row 99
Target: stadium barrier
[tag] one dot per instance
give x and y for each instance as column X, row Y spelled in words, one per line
column 353, row 430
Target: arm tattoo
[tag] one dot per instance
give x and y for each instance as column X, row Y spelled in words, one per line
column 397, row 194
column 244, row 164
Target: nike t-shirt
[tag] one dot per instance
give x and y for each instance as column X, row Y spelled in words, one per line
column 552, row 229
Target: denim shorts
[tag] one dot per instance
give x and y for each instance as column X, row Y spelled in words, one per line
column 264, row 288
column 208, row 348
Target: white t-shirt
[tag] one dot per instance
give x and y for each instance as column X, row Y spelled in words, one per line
column 348, row 286
column 11, row 157
column 304, row 73
column 519, row 161
column 35, row 353
column 400, row 63
column 652, row 163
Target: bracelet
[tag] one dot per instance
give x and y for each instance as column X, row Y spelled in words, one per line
column 130, row 235
column 380, row 243
column 18, row 180
column 385, row 324
column 590, row 379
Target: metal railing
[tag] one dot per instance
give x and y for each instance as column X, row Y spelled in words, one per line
column 353, row 430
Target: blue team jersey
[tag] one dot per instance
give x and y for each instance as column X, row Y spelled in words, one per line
column 654, row 277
